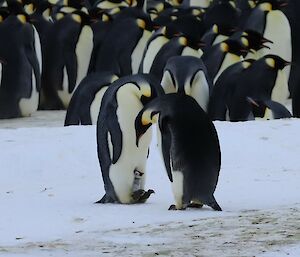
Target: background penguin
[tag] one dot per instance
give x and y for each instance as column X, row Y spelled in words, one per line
column 267, row 109
column 62, row 68
column 221, row 56
column 262, row 80
column 268, row 19
column 175, row 47
column 123, row 175
column 187, row 74
column 85, row 102
column 190, row 148
column 122, row 52
column 20, row 76
column 217, row 105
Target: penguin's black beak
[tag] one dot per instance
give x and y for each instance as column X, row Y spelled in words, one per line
column 265, row 40
column 286, row 63
column 283, row 3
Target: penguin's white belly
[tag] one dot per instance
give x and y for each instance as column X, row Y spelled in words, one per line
column 29, row 105
column 188, row 51
column 219, row 39
column 38, row 48
column 153, row 48
column 64, row 94
column 278, row 30
column 200, row 3
column 84, row 49
column 199, row 90
column 132, row 157
column 280, row 92
column 95, row 106
column 228, row 60
column 177, row 188
column 138, row 51
column 167, row 83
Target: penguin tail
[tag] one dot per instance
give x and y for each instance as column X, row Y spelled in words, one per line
column 214, row 205
column 105, row 199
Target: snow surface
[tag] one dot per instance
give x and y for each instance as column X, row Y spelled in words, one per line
column 50, row 177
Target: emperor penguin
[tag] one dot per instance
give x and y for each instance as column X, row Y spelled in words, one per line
column 268, row 19
column 190, row 147
column 85, row 102
column 187, row 74
column 20, row 74
column 123, row 56
column 267, row 110
column 122, row 162
column 217, row 105
column 66, row 58
column 261, row 80
column 177, row 46
column 222, row 55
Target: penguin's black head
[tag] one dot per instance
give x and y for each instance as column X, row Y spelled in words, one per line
column 256, row 40
column 81, row 17
column 234, row 46
column 269, row 5
column 275, row 61
column 4, row 13
column 143, row 122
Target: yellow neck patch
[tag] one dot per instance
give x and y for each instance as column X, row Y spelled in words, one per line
column 270, row 62
column 76, row 17
column 141, row 23
column 224, row 47
column 266, row 7
column 21, row 18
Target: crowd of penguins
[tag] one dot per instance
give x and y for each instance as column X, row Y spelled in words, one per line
column 126, row 64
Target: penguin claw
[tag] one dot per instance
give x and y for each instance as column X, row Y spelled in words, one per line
column 140, row 196
column 172, row 208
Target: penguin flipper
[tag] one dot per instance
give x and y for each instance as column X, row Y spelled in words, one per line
column 33, row 60
column 71, row 67
column 213, row 204
column 116, row 137
column 166, row 146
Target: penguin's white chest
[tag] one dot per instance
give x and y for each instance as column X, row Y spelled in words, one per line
column 278, row 30
column 280, row 92
column 153, row 48
column 132, row 157
column 84, row 49
column 137, row 53
column 29, row 105
column 199, row 89
column 95, row 105
column 228, row 60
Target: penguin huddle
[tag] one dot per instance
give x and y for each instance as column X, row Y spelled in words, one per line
column 127, row 64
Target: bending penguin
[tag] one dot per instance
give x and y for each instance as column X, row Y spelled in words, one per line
column 190, row 148
column 123, row 164
column 187, row 74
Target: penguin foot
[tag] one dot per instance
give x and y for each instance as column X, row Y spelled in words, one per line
column 140, row 196
column 195, row 205
column 174, row 208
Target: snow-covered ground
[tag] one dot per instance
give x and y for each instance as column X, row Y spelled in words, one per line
column 50, row 177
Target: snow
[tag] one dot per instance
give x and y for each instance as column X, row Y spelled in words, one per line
column 50, row 177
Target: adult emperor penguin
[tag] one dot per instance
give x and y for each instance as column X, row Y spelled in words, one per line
column 85, row 102
column 122, row 162
column 66, row 58
column 222, row 55
column 20, row 76
column 190, row 148
column 123, row 56
column 268, row 19
column 262, row 80
column 267, row 109
column 187, row 74
column 217, row 105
